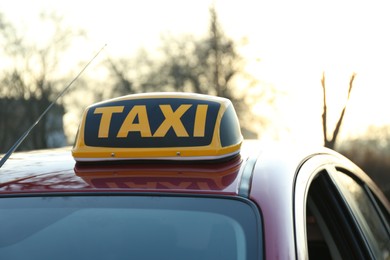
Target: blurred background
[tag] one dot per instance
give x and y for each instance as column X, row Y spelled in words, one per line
column 310, row 72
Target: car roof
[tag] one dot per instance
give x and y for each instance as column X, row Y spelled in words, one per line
column 55, row 170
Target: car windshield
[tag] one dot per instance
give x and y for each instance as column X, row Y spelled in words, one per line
column 128, row 227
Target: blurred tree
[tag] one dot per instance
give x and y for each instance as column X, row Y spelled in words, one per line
column 130, row 75
column 371, row 152
column 330, row 142
column 122, row 83
column 209, row 65
column 30, row 80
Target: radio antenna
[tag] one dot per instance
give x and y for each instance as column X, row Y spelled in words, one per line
column 21, row 139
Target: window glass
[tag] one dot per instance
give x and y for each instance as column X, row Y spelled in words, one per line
column 366, row 214
column 119, row 227
column 324, row 230
column 318, row 236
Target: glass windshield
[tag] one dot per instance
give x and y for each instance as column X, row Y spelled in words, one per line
column 124, row 227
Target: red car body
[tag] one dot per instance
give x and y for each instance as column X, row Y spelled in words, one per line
column 273, row 178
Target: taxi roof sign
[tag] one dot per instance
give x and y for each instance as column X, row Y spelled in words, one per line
column 166, row 126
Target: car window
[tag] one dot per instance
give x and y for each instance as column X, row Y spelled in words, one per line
column 344, row 219
column 128, row 227
column 366, row 213
column 330, row 229
column 321, row 244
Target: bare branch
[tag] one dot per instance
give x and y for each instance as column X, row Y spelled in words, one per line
column 339, row 122
column 324, row 112
column 351, row 84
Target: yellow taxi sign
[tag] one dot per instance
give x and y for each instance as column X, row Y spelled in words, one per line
column 178, row 126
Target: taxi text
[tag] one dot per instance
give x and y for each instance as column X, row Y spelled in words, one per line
column 172, row 119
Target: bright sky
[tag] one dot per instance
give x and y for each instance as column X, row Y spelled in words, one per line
column 290, row 44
